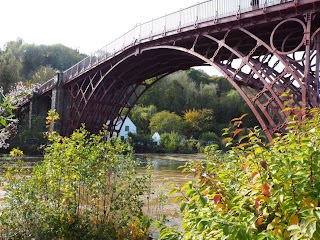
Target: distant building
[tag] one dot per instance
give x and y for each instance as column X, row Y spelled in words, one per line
column 127, row 127
column 156, row 138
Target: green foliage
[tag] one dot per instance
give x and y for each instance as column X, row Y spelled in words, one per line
column 170, row 141
column 189, row 146
column 29, row 140
column 200, row 121
column 42, row 74
column 7, row 120
column 141, row 116
column 166, row 121
column 193, row 89
column 209, row 138
column 56, row 56
column 223, row 85
column 198, row 76
column 28, row 62
column 85, row 188
column 142, row 143
column 11, row 64
column 178, row 92
column 255, row 191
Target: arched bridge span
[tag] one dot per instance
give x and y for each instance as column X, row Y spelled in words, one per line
column 264, row 51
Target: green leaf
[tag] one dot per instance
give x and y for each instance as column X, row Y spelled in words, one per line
column 317, row 214
column 201, row 225
column 3, row 121
column 183, row 206
column 204, row 200
column 294, row 227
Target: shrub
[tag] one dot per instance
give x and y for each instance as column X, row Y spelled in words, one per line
column 255, row 191
column 30, row 140
column 142, row 142
column 85, row 188
column 189, row 146
column 170, row 142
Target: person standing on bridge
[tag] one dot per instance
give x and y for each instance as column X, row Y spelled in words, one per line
column 254, row 4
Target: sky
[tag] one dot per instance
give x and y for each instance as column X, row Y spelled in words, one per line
column 83, row 25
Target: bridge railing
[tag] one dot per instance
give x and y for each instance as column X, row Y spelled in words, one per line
column 210, row 10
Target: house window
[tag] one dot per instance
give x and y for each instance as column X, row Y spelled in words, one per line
column 126, row 128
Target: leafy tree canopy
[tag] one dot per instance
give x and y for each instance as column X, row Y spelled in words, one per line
column 200, row 121
column 166, row 121
column 20, row 61
column 141, row 116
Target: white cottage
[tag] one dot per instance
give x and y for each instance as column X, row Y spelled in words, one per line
column 156, row 138
column 127, row 127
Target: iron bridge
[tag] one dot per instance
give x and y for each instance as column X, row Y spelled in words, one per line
column 264, row 48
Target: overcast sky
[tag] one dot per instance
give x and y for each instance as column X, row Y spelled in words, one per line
column 84, row 25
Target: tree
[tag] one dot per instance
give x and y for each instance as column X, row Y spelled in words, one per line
column 167, row 122
column 42, row 74
column 174, row 95
column 141, row 142
column 207, row 97
column 61, row 57
column 56, row 56
column 171, row 92
column 198, row 76
column 9, row 102
column 141, row 116
column 11, row 64
column 7, row 122
column 170, row 142
column 223, row 85
column 200, row 121
column 23, row 62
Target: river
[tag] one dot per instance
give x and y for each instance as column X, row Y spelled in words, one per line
column 166, row 171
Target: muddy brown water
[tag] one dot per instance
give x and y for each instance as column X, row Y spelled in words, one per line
column 160, row 203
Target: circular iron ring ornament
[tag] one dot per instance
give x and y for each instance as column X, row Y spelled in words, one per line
column 276, row 28
column 315, row 34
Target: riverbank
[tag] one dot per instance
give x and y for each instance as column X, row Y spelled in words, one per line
column 172, row 156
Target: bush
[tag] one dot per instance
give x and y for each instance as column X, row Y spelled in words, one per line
column 209, row 138
column 170, row 142
column 142, row 143
column 30, row 140
column 255, row 191
column 85, row 188
column 189, row 146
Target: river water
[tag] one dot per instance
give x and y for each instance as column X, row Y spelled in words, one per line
column 166, row 172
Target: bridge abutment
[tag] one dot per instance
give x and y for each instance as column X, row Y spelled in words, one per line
column 57, row 101
column 38, row 107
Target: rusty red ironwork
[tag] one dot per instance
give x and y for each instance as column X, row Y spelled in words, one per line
column 269, row 52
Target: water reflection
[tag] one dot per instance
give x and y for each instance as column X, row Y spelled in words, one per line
column 166, row 171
